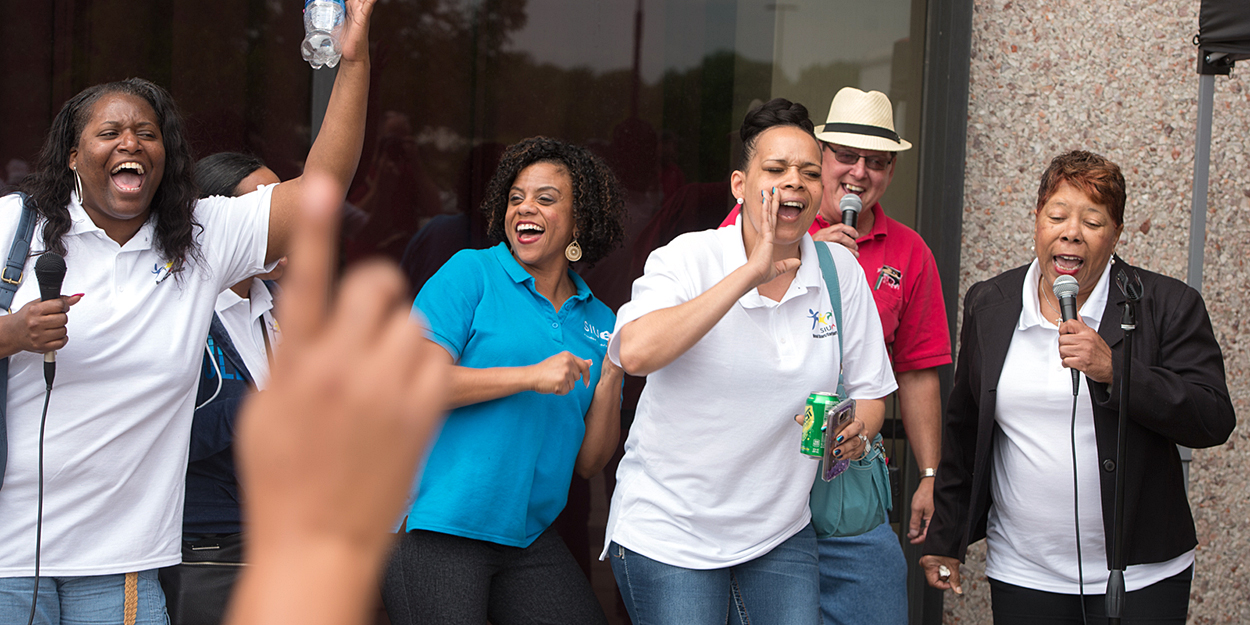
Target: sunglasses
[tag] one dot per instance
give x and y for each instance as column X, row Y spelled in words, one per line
column 850, row 157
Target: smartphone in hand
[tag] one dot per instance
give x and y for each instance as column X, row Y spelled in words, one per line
column 836, row 418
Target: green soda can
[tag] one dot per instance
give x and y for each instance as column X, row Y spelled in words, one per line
column 813, row 443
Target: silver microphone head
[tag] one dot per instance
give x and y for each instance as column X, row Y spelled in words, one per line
column 851, row 202
column 1066, row 286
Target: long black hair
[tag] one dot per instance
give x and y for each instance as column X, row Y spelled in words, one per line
column 221, row 173
column 598, row 206
column 174, row 202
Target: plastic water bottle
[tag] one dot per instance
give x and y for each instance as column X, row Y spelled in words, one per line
column 323, row 23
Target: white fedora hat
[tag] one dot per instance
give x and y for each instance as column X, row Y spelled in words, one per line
column 863, row 120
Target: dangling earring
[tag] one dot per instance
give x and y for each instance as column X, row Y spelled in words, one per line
column 573, row 252
column 77, row 184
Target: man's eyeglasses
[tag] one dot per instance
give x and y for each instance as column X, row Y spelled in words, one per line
column 850, row 157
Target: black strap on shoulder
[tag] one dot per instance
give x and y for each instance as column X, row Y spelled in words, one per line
column 10, row 279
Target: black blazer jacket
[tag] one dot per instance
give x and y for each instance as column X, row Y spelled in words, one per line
column 1178, row 396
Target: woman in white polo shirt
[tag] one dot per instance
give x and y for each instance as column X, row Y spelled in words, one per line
column 114, row 195
column 710, row 513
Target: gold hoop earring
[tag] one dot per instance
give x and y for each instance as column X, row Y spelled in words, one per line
column 77, row 184
column 573, row 252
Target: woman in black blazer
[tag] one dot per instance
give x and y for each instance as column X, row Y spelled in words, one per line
column 1019, row 469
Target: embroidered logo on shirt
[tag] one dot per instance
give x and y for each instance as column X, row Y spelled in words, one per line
column 889, row 275
column 593, row 333
column 160, row 272
column 822, row 323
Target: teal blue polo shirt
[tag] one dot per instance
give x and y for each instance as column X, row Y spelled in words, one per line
column 500, row 469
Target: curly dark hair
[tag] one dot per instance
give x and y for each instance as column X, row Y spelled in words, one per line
column 1093, row 174
column 221, row 173
column 598, row 206
column 775, row 112
column 172, row 205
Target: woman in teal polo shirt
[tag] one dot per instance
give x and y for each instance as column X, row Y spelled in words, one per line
column 533, row 395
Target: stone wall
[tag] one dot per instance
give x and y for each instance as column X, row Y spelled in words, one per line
column 1117, row 77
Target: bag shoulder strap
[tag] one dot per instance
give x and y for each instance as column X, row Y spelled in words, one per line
column 10, row 279
column 829, row 271
column 19, row 251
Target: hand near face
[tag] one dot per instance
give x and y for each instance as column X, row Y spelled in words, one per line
column 1081, row 348
column 761, row 258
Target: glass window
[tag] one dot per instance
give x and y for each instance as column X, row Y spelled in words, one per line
column 233, row 66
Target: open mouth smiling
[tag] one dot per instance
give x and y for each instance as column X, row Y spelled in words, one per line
column 527, row 232
column 128, row 176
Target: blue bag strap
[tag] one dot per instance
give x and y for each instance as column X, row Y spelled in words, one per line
column 829, row 272
column 11, row 274
column 10, row 279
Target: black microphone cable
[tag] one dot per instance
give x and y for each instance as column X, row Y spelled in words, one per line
column 50, row 271
column 1065, row 289
column 43, row 422
column 1076, row 515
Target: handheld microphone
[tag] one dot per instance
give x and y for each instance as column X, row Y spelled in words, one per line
column 50, row 271
column 850, row 205
column 1065, row 289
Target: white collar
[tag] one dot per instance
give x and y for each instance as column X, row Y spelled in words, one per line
column 82, row 224
column 1091, row 311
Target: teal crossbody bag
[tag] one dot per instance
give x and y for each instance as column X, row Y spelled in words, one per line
column 858, row 500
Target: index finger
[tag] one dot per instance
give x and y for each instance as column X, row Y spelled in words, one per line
column 307, row 281
column 769, row 212
column 584, row 367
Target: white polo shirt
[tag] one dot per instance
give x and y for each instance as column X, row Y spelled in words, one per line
column 712, row 474
column 119, row 419
column 244, row 320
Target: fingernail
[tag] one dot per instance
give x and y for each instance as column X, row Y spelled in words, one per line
column 837, row 452
column 78, row 295
column 839, row 439
column 958, row 590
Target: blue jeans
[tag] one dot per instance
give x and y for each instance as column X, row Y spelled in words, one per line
column 780, row 586
column 86, row 600
column 863, row 579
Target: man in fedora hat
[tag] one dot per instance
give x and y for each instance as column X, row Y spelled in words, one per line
column 864, row 578
column 860, row 147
